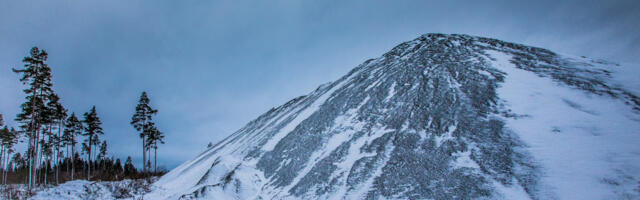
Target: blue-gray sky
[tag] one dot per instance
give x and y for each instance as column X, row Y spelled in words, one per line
column 212, row 66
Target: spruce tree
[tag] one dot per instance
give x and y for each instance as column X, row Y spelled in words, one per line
column 141, row 121
column 92, row 130
column 118, row 168
column 129, row 169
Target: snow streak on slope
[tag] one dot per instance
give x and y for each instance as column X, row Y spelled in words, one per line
column 438, row 117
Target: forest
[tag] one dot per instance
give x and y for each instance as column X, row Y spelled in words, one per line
column 61, row 145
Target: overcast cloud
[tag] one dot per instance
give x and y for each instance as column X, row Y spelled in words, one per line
column 212, row 66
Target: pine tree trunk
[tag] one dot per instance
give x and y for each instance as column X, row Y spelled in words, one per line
column 58, row 151
column 33, row 129
column 30, row 157
column 29, row 164
column 66, row 157
column 37, row 159
column 4, row 179
column 89, row 170
column 73, row 157
column 4, row 169
column 144, row 156
column 46, row 170
column 2, row 162
column 4, row 175
column 155, row 161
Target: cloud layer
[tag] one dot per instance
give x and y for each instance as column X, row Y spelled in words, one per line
column 210, row 67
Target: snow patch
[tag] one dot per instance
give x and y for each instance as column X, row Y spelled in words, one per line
column 577, row 150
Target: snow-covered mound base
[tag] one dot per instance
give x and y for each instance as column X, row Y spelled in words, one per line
column 438, row 117
column 81, row 190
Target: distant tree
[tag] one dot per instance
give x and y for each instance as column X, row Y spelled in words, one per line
column 103, row 150
column 47, row 151
column 118, row 167
column 142, row 122
column 18, row 160
column 8, row 138
column 209, row 145
column 92, row 130
column 149, row 164
column 129, row 169
column 73, row 127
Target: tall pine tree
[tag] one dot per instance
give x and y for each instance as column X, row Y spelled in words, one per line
column 37, row 75
column 92, row 130
column 142, row 122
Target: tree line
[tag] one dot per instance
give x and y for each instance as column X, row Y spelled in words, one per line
column 52, row 135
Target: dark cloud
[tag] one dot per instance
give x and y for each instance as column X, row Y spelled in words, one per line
column 210, row 67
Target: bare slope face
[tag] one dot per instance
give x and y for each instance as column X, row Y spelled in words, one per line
column 424, row 121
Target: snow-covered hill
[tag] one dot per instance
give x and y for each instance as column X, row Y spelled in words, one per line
column 438, row 117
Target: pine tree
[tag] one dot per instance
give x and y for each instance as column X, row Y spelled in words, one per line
column 92, row 130
column 154, row 137
column 141, row 121
column 57, row 114
column 37, row 75
column 73, row 127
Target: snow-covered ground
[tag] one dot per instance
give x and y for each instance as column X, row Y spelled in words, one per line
column 82, row 190
column 75, row 190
